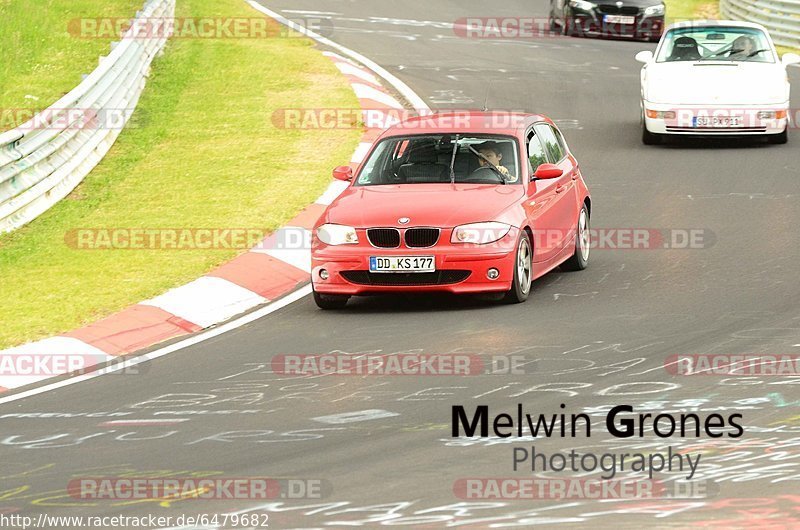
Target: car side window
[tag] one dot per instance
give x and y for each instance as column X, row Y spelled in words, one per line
column 555, row 153
column 561, row 141
column 536, row 155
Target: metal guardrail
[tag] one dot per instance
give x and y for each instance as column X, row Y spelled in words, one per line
column 42, row 160
column 780, row 17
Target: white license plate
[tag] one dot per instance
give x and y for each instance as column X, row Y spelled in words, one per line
column 722, row 121
column 619, row 19
column 402, row 264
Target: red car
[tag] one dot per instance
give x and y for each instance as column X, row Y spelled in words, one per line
column 481, row 202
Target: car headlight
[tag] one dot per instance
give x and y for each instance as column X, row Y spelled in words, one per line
column 582, row 5
column 479, row 233
column 331, row 234
column 654, row 11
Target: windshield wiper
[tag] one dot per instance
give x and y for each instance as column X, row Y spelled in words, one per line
column 453, row 162
column 496, row 170
column 757, row 52
column 715, row 54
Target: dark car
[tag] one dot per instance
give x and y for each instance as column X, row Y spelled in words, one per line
column 633, row 19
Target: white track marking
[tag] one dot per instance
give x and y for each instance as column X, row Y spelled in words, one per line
column 367, row 92
column 335, row 189
column 207, row 301
column 290, row 244
column 355, row 71
column 361, row 152
column 61, row 348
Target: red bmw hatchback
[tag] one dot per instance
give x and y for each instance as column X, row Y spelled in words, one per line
column 481, row 202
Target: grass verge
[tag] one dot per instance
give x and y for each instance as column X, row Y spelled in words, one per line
column 679, row 10
column 42, row 61
column 203, row 153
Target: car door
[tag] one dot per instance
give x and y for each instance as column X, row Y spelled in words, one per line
column 560, row 212
column 541, row 198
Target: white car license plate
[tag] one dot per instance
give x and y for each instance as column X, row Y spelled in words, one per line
column 402, row 264
column 619, row 19
column 717, row 121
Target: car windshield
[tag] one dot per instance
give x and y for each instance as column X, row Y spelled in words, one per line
column 716, row 43
column 444, row 158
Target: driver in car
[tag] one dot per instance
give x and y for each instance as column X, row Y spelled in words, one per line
column 492, row 152
column 742, row 48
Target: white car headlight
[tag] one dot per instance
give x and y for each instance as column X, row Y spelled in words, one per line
column 654, row 11
column 583, row 5
column 479, row 233
column 331, row 234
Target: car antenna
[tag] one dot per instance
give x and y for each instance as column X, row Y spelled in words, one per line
column 486, row 99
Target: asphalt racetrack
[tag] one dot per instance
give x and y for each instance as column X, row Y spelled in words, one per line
column 381, row 446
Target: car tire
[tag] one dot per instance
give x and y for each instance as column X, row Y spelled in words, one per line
column 779, row 139
column 567, row 26
column 330, row 301
column 583, row 244
column 551, row 19
column 523, row 271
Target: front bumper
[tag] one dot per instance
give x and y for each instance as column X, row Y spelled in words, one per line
column 594, row 24
column 453, row 261
column 684, row 121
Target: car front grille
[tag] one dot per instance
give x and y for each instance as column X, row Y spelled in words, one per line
column 444, row 277
column 384, row 237
column 610, row 9
column 421, row 237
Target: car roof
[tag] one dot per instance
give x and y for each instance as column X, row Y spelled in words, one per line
column 473, row 122
column 715, row 23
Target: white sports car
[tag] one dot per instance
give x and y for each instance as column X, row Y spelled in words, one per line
column 712, row 78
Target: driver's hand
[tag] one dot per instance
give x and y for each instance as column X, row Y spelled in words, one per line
column 503, row 170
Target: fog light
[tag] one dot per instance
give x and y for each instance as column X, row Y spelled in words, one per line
column 323, row 273
column 493, row 274
column 766, row 115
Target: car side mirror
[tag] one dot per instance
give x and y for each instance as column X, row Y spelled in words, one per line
column 644, row 56
column 344, row 173
column 790, row 58
column 547, row 172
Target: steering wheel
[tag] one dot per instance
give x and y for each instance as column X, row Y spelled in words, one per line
column 483, row 173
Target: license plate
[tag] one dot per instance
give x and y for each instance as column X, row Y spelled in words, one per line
column 402, row 264
column 619, row 19
column 708, row 121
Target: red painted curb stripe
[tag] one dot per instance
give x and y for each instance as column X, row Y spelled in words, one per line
column 262, row 274
column 132, row 329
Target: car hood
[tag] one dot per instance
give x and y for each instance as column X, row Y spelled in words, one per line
column 439, row 205
column 715, row 83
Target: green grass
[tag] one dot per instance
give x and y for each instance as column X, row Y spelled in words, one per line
column 679, row 10
column 42, row 60
column 204, row 154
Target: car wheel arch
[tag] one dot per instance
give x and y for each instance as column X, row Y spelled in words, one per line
column 529, row 231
